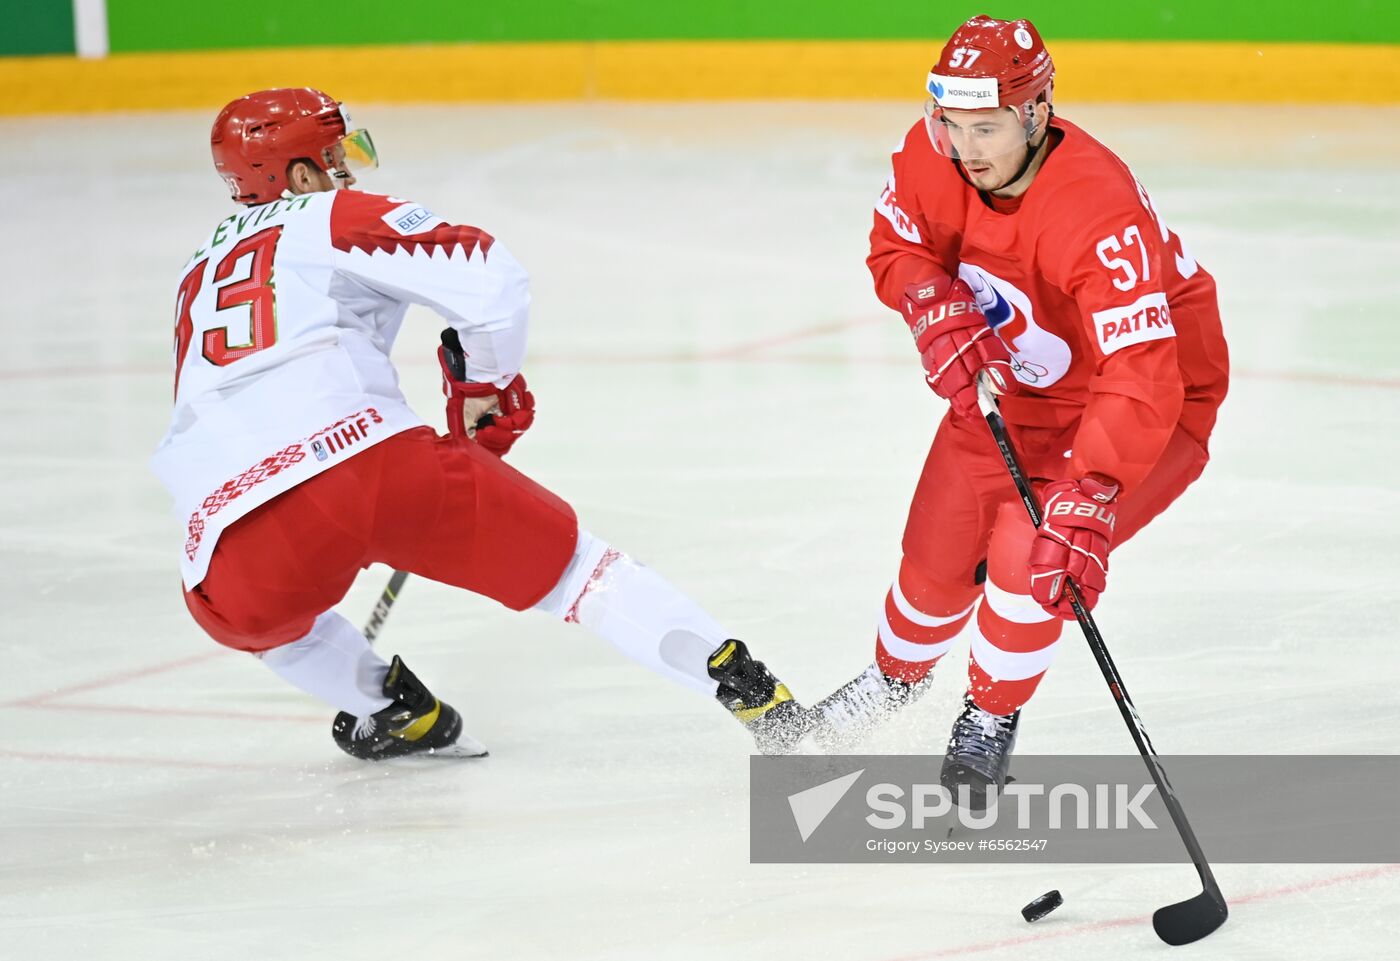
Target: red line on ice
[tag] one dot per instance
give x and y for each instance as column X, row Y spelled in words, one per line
column 1380, row 870
column 980, row 947
column 113, row 680
column 49, row 705
column 129, row 761
column 777, row 340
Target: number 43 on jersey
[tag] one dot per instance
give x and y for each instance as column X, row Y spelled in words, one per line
column 242, row 286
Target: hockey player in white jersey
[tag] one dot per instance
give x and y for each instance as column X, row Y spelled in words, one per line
column 295, row 461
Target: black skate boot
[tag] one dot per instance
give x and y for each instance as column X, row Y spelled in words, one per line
column 761, row 702
column 979, row 753
column 416, row 723
column 858, row 708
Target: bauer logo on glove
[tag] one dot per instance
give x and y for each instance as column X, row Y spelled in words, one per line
column 954, row 341
column 1073, row 542
column 1064, row 508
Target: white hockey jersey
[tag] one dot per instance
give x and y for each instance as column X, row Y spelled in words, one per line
column 285, row 317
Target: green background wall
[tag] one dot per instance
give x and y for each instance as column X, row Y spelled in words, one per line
column 169, row 24
column 36, row 26
column 46, row 26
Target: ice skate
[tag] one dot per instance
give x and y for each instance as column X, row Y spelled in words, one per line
column 979, row 753
column 860, row 707
column 416, row 723
column 761, row 702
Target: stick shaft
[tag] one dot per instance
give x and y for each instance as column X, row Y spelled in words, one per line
column 386, row 601
column 986, row 400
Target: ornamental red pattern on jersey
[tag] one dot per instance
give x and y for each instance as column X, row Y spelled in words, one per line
column 265, row 469
column 357, row 223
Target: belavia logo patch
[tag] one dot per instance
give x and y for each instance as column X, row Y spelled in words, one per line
column 810, row 807
column 410, row 219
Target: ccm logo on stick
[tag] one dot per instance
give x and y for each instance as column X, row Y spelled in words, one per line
column 1147, row 318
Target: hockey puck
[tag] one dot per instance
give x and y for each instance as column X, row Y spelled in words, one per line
column 1042, row 906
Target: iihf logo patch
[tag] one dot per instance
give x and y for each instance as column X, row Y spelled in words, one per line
column 319, row 449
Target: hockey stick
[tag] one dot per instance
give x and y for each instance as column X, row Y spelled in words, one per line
column 1196, row 917
column 386, row 601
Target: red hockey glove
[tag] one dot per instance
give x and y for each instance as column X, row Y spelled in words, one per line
column 492, row 416
column 1073, row 541
column 955, row 342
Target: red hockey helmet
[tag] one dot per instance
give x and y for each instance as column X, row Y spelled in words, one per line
column 989, row 64
column 992, row 63
column 256, row 138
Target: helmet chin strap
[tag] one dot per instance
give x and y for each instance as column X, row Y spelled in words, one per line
column 1025, row 165
column 335, row 169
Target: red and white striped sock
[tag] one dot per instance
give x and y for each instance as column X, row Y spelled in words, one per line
column 1015, row 642
column 921, row 619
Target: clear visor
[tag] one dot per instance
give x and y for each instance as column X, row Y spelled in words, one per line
column 987, row 137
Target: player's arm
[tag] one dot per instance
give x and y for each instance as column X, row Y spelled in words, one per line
column 462, row 273
column 913, row 261
column 470, row 279
column 905, row 249
column 1134, row 404
column 1136, row 391
column 1135, row 399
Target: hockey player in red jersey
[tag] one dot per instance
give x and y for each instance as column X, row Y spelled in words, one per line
column 1010, row 240
column 295, row 461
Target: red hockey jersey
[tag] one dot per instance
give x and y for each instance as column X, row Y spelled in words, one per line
column 1110, row 322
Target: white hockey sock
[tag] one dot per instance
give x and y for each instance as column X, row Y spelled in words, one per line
column 335, row 663
column 638, row 612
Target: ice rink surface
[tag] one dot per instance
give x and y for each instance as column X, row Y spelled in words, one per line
column 720, row 395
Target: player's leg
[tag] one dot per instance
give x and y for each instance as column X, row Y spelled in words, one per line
column 1013, row 644
column 484, row 526
column 1016, row 638
column 1013, row 638
column 929, row 605
column 272, row 580
column 385, row 710
column 650, row 621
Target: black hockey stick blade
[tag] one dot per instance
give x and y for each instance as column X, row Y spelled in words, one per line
column 1192, row 919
